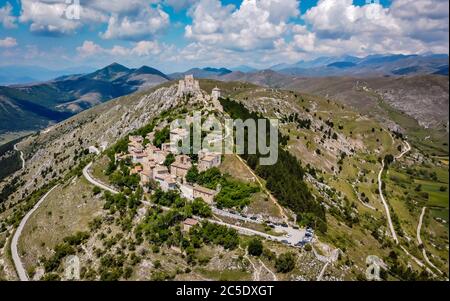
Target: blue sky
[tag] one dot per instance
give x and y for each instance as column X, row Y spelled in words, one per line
column 174, row 35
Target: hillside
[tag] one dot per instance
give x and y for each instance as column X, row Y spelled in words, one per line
column 414, row 105
column 36, row 106
column 338, row 154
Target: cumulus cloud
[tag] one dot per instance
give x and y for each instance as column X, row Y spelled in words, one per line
column 8, row 42
column 6, row 17
column 140, row 49
column 178, row 5
column 255, row 24
column 146, row 23
column 408, row 26
column 262, row 30
column 129, row 20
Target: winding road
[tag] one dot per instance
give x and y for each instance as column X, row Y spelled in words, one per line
column 95, row 182
column 419, row 241
column 322, row 272
column 21, row 156
column 385, row 204
column 23, row 276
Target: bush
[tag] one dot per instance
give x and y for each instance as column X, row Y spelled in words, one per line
column 255, row 247
column 96, row 190
column 285, row 263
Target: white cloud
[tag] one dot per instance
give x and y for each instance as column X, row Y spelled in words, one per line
column 129, row 20
column 139, row 49
column 89, row 48
column 8, row 42
column 178, row 5
column 6, row 17
column 52, row 17
column 254, row 25
column 145, row 24
column 408, row 26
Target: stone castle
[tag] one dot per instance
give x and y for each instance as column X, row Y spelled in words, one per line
column 190, row 86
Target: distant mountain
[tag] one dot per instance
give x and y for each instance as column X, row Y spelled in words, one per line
column 267, row 78
column 443, row 70
column 34, row 106
column 10, row 75
column 207, row 73
column 244, row 68
column 373, row 65
column 342, row 65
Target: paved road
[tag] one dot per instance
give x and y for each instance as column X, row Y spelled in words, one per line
column 419, row 241
column 95, row 181
column 386, row 207
column 21, row 156
column 15, row 254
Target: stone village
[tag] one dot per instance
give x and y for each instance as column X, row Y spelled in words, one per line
column 148, row 160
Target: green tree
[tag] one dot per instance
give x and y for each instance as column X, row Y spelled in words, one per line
column 200, row 208
column 169, row 160
column 285, row 263
column 192, row 175
column 161, row 136
column 255, row 247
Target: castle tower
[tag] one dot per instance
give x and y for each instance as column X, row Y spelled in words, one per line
column 188, row 85
column 215, row 95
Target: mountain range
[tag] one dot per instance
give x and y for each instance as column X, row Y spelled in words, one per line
column 373, row 65
column 29, row 107
column 34, row 106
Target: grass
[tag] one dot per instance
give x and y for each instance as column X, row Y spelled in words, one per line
column 235, row 168
column 98, row 168
column 66, row 210
column 436, row 198
column 260, row 204
column 225, row 275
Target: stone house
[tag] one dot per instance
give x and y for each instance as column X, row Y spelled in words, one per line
column 189, row 223
column 204, row 193
column 181, row 166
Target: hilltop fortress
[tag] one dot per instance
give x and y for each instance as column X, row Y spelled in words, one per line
column 190, row 88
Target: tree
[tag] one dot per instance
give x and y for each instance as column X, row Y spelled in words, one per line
column 200, row 208
column 96, row 190
column 169, row 160
column 161, row 136
column 388, row 159
column 255, row 247
column 192, row 175
column 285, row 263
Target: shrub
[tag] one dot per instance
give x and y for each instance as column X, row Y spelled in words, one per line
column 255, row 247
column 285, row 263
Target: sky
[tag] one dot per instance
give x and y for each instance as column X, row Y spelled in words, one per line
column 175, row 35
